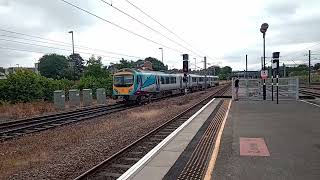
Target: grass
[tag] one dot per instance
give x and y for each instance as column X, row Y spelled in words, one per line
column 24, row 110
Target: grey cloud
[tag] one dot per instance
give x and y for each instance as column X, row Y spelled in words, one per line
column 299, row 31
column 45, row 16
column 282, row 9
column 40, row 18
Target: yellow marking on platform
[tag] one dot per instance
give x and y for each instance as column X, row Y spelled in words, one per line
column 216, row 147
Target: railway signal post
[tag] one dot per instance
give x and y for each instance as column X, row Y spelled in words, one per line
column 275, row 72
column 185, row 70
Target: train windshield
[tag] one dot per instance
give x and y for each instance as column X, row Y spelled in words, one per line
column 123, row 80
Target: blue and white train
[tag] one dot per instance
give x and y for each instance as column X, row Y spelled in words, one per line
column 138, row 85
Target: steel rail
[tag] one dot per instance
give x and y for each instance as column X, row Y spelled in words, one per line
column 181, row 117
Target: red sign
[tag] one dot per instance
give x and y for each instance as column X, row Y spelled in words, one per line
column 264, row 74
column 253, row 147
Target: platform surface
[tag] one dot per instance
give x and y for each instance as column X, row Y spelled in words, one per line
column 290, row 131
column 159, row 165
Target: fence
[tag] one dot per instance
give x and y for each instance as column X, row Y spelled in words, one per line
column 252, row 89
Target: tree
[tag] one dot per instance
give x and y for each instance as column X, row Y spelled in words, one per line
column 225, row 72
column 156, row 64
column 95, row 68
column 317, row 66
column 76, row 64
column 53, row 66
column 214, row 70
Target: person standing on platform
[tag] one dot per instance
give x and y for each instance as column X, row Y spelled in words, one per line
column 236, row 85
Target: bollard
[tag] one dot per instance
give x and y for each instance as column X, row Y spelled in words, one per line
column 87, row 97
column 101, row 96
column 59, row 99
column 74, row 98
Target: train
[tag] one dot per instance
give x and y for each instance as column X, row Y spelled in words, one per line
column 141, row 85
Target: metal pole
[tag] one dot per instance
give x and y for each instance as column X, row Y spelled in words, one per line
column 205, row 73
column 277, row 88
column 162, row 55
column 72, row 42
column 309, row 68
column 74, row 62
column 272, row 86
column 264, row 65
column 246, row 65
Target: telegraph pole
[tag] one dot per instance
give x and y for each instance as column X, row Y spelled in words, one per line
column 309, row 68
column 205, row 73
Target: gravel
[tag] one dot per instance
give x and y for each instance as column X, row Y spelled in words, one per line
column 66, row 152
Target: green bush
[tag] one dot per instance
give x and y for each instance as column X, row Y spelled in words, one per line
column 94, row 83
column 22, row 86
column 27, row 86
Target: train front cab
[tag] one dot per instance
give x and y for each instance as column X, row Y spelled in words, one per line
column 123, row 85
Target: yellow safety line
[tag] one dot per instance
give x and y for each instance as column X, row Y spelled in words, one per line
column 216, row 147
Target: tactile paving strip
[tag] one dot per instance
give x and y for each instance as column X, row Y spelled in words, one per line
column 193, row 162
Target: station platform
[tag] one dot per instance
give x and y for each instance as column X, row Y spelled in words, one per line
column 287, row 144
column 252, row 140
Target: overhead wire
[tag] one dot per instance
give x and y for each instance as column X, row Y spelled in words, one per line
column 60, row 43
column 146, row 14
column 120, row 27
column 61, row 49
column 149, row 27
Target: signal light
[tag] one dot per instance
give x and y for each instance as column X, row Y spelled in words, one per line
column 185, row 66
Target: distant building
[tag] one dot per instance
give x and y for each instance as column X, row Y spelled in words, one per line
column 248, row 74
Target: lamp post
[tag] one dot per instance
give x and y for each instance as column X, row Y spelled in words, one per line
column 161, row 54
column 72, row 41
column 263, row 30
column 74, row 62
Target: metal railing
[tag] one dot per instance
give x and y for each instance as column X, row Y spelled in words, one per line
column 251, row 89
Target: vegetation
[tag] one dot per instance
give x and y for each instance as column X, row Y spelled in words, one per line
column 95, row 76
column 27, row 86
column 53, row 66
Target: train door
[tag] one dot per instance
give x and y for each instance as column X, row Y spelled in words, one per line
column 180, row 80
column 157, row 83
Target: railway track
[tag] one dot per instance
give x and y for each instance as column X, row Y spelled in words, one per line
column 310, row 92
column 114, row 166
column 13, row 129
column 17, row 128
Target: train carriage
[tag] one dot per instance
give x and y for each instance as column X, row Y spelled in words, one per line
column 137, row 85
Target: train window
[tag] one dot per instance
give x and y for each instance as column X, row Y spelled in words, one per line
column 194, row 79
column 123, row 80
column 162, row 80
column 167, row 80
column 173, row 80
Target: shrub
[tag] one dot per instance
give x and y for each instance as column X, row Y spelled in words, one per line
column 27, row 86
column 94, row 83
column 22, row 86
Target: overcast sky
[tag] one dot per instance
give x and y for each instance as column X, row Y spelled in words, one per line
column 224, row 30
